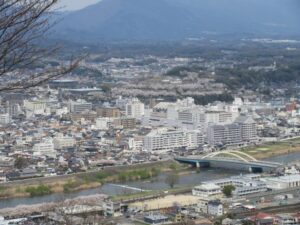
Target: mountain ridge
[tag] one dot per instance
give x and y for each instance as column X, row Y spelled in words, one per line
column 179, row 19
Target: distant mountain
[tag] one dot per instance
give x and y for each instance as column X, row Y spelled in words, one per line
column 114, row 20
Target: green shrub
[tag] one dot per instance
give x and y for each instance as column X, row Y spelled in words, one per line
column 38, row 190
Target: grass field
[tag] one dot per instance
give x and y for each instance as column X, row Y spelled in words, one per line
column 273, row 149
column 90, row 180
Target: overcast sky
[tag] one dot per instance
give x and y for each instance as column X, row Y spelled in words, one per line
column 76, row 4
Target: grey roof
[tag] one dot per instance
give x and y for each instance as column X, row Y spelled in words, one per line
column 244, row 119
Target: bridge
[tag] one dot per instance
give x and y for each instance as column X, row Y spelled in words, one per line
column 230, row 160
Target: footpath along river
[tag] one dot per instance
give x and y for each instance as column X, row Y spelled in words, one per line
column 158, row 183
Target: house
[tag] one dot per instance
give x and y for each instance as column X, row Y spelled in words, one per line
column 156, row 219
column 286, row 219
column 228, row 221
column 215, row 208
column 262, row 219
column 201, row 206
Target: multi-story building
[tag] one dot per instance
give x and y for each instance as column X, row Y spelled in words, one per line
column 164, row 139
column 135, row 108
column 110, row 112
column 216, row 117
column 13, row 109
column 63, row 142
column 45, row 148
column 244, row 184
column 215, row 208
column 128, row 123
column 91, row 116
column 104, row 123
column 135, row 143
column 207, row 190
column 4, row 119
column 243, row 130
column 248, row 128
column 224, row 134
column 35, row 105
column 79, row 106
column 283, row 182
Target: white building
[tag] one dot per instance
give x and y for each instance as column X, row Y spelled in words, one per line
column 136, row 143
column 224, row 134
column 283, row 182
column 35, row 105
column 215, row 208
column 219, row 117
column 4, row 119
column 45, row 148
column 244, row 184
column 207, row 190
column 286, row 219
column 243, row 130
column 104, row 123
column 201, row 206
column 167, row 139
column 79, row 106
column 13, row 109
column 248, row 128
column 111, row 208
column 135, row 108
column 63, row 142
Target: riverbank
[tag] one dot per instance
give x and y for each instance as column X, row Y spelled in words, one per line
column 273, row 149
column 83, row 181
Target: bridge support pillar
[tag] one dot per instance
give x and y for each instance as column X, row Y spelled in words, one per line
column 197, row 164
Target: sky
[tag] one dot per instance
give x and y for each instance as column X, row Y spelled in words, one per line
column 68, row 5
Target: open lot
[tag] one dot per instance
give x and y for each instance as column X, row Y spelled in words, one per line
column 273, row 148
column 166, row 202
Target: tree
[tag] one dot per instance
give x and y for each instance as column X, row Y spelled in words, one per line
column 24, row 25
column 227, row 190
column 172, row 179
column 20, row 163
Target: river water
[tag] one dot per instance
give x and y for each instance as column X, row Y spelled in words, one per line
column 157, row 183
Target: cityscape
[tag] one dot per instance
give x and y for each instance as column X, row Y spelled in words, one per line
column 202, row 130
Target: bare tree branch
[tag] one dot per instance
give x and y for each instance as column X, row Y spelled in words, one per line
column 23, row 27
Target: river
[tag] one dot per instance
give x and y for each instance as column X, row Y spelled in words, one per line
column 157, row 183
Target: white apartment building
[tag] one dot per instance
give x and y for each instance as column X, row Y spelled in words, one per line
column 219, row 117
column 248, row 128
column 45, row 148
column 4, row 119
column 241, row 131
column 135, row 108
column 63, row 142
column 165, row 139
column 136, row 143
column 224, row 134
column 192, row 119
column 13, row 109
column 194, row 138
column 79, row 106
column 104, row 123
column 35, row 105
